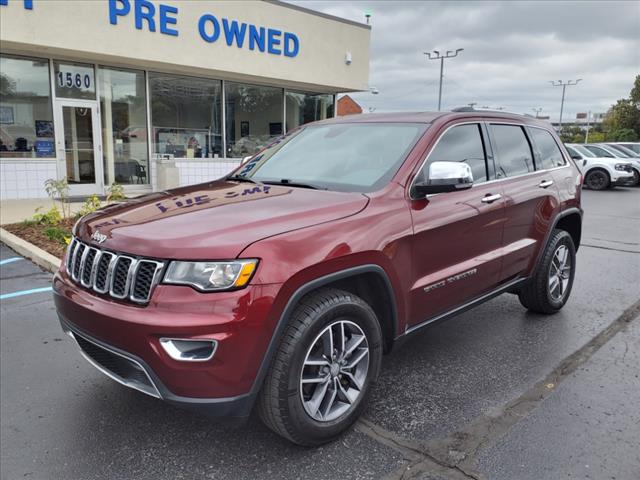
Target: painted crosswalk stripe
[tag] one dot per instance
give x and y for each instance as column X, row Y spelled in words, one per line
column 10, row 260
column 5, row 296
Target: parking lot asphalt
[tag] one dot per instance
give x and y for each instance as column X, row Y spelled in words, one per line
column 494, row 393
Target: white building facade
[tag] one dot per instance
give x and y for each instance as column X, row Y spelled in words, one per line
column 99, row 91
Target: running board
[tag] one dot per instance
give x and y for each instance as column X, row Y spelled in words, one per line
column 466, row 306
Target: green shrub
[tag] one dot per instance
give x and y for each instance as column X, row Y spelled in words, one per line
column 91, row 204
column 59, row 189
column 57, row 234
column 115, row 192
column 51, row 217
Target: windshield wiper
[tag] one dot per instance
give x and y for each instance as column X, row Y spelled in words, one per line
column 238, row 178
column 289, row 183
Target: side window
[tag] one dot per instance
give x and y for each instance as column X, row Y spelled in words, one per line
column 598, row 152
column 574, row 153
column 461, row 144
column 513, row 151
column 550, row 154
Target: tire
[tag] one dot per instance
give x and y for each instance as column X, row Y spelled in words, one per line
column 597, row 179
column 636, row 178
column 281, row 403
column 541, row 293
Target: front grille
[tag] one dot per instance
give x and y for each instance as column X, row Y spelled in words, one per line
column 123, row 369
column 120, row 276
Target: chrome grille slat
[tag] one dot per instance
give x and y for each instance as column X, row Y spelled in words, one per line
column 120, row 276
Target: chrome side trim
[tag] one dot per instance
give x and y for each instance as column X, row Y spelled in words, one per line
column 175, row 353
column 153, row 393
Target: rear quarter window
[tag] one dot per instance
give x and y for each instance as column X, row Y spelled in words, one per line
column 550, row 155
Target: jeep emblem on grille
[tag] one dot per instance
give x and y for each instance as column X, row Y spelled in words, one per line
column 98, row 237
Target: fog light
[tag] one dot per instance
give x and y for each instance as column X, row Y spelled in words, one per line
column 186, row 350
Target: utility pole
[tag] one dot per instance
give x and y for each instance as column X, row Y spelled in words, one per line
column 586, row 136
column 537, row 110
column 564, row 86
column 435, row 55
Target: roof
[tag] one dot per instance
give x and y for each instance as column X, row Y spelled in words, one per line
column 430, row 117
column 318, row 14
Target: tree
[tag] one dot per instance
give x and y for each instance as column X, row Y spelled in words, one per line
column 622, row 122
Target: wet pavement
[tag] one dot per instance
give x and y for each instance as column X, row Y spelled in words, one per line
column 450, row 403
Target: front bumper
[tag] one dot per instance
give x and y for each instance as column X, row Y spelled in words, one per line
column 623, row 179
column 123, row 341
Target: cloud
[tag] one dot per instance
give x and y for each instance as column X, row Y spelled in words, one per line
column 511, row 51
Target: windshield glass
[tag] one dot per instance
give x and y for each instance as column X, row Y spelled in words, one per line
column 583, row 151
column 349, row 157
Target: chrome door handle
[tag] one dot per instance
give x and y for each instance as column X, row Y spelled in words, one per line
column 545, row 183
column 491, row 198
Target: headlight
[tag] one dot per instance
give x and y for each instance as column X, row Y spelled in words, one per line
column 622, row 167
column 210, row 276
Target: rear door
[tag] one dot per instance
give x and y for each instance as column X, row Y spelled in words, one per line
column 530, row 193
column 457, row 235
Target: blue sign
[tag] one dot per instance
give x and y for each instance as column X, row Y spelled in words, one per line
column 44, row 148
column 211, row 29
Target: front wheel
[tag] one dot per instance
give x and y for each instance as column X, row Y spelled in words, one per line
column 597, row 179
column 550, row 287
column 323, row 371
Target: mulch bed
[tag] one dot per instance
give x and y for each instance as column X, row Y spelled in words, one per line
column 34, row 233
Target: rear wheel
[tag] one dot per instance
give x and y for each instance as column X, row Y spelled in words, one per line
column 324, row 368
column 597, row 179
column 550, row 286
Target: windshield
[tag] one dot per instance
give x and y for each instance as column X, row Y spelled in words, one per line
column 349, row 157
column 583, row 151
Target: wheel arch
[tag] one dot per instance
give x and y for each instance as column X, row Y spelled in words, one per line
column 353, row 280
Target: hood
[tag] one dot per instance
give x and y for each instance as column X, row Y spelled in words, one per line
column 212, row 221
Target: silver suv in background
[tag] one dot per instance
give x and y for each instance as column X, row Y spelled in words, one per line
column 600, row 172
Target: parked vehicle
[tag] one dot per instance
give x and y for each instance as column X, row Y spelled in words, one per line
column 600, row 173
column 632, row 157
column 633, row 146
column 282, row 284
column 604, row 150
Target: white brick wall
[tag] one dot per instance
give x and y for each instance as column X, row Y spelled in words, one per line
column 24, row 178
column 198, row 171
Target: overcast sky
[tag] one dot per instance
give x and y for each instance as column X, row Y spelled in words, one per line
column 511, row 51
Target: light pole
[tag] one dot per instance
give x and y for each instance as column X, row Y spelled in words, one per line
column 537, row 110
column 564, row 86
column 435, row 55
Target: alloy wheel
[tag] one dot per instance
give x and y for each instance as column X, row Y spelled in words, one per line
column 334, row 371
column 597, row 180
column 559, row 273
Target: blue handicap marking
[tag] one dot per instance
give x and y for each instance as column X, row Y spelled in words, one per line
column 10, row 260
column 25, row 292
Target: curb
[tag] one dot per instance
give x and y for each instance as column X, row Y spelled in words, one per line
column 28, row 250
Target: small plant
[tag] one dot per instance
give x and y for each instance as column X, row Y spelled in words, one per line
column 115, row 193
column 59, row 189
column 57, row 234
column 91, row 204
column 51, row 217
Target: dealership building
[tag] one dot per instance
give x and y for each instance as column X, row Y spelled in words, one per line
column 123, row 91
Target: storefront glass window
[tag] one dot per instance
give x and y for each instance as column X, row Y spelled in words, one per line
column 254, row 117
column 307, row 107
column 124, row 126
column 186, row 116
column 26, row 116
column 74, row 80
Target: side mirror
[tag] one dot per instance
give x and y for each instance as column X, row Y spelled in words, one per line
column 575, row 156
column 444, row 177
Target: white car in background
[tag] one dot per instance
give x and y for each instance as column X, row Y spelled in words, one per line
column 600, row 173
column 608, row 151
column 633, row 146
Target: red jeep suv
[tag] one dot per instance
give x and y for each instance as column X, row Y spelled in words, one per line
column 282, row 284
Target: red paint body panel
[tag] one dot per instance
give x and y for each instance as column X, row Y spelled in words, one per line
column 300, row 235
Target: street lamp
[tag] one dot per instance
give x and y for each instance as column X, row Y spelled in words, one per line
column 564, row 86
column 537, row 110
column 435, row 55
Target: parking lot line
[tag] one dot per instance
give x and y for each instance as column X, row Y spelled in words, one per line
column 10, row 260
column 25, row 292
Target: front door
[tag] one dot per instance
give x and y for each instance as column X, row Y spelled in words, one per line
column 457, row 239
column 79, row 147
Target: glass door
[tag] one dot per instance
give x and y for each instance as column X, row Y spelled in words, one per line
column 79, row 146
